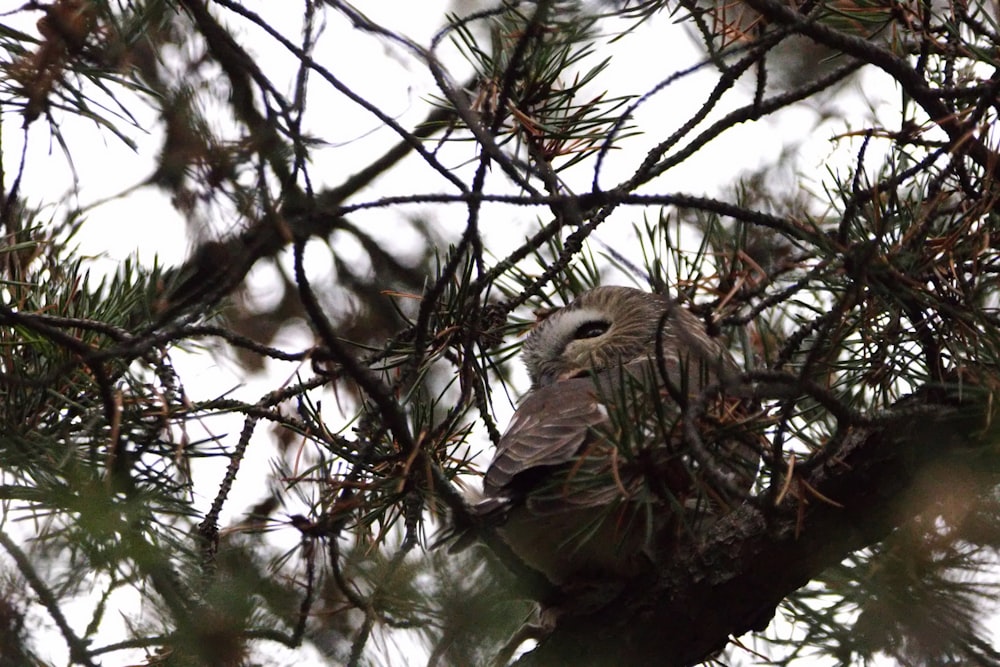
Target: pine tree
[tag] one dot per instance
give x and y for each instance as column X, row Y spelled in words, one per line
column 404, row 249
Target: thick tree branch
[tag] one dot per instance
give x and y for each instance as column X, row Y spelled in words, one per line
column 753, row 559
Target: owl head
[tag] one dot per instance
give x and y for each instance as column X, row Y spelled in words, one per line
column 608, row 327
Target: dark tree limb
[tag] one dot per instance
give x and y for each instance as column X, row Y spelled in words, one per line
column 753, row 558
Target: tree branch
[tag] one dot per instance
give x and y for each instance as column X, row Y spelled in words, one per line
column 753, row 558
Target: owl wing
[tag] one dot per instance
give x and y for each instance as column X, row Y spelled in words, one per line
column 571, row 422
column 549, row 428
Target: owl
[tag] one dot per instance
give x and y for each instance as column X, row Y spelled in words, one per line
column 594, row 472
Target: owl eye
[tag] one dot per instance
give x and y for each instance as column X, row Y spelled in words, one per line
column 591, row 329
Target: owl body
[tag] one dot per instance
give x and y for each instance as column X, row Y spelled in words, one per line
column 592, row 468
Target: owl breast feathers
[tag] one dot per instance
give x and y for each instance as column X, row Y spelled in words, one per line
column 594, row 471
